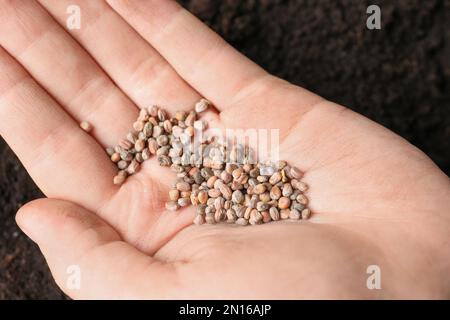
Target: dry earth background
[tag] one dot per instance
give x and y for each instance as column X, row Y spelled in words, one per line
column 397, row 76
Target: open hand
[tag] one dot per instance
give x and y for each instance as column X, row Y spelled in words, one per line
column 376, row 199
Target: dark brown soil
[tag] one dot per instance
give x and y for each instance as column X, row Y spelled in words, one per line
column 397, row 76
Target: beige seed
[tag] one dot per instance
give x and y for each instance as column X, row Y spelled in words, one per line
column 242, row 222
column 284, row 203
column 143, row 114
column 262, row 206
column 148, row 130
column 125, row 144
column 219, row 215
column 174, row 194
column 294, row 214
column 180, row 115
column 133, row 167
column 138, row 125
column 287, row 190
column 183, row 186
column 260, row 188
column 190, row 119
column 275, row 193
column 152, row 146
column 283, row 176
column 262, row 178
column 162, row 115
column 141, row 135
column 153, row 121
column 237, row 173
column 211, row 181
column 202, row 197
column 86, row 126
column 219, row 203
column 202, row 105
column 247, row 212
column 162, row 140
column 240, row 211
column 139, row 145
column 237, row 197
column 167, row 125
column 153, row 110
column 287, row 172
column 297, row 206
column 183, row 202
column 306, row 214
column 254, row 173
column 146, row 154
column 265, row 216
column 301, row 186
column 125, row 155
column 185, row 194
column 226, row 177
column 157, row 131
column 284, row 214
column 274, row 213
column 209, row 219
column 265, row 197
column 302, row 199
column 122, row 164
column 199, row 219
column 194, row 199
column 214, row 193
column 255, row 217
column 115, row 157
column 189, row 131
column 231, row 216
column 193, row 171
column 226, row 191
column 275, row 178
column 119, row 179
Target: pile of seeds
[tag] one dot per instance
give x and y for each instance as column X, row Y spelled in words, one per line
column 224, row 182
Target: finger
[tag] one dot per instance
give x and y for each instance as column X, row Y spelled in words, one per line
column 65, row 70
column 136, row 67
column 87, row 257
column 63, row 160
column 200, row 56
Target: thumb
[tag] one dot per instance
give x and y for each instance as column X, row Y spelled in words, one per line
column 87, row 257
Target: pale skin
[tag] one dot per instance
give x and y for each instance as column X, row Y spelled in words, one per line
column 375, row 198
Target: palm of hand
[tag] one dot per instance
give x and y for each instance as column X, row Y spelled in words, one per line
column 367, row 195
